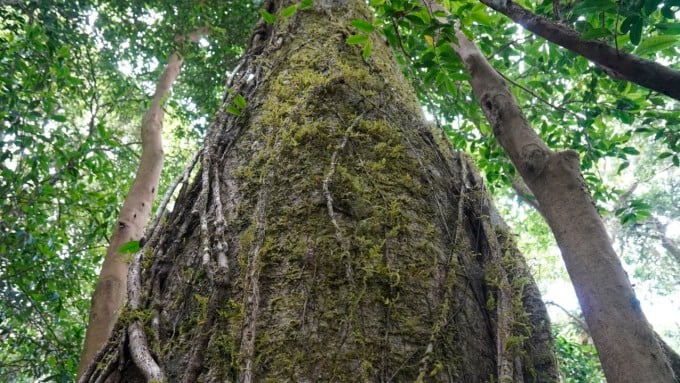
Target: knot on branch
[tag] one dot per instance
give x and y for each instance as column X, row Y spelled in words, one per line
column 570, row 165
column 496, row 107
column 534, row 158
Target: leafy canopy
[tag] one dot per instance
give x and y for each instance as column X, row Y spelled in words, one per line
column 75, row 78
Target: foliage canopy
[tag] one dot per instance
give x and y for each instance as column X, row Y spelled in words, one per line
column 75, row 77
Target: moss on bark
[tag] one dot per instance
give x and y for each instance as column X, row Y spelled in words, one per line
column 355, row 241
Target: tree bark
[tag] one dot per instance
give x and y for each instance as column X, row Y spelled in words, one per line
column 329, row 236
column 625, row 341
column 618, row 65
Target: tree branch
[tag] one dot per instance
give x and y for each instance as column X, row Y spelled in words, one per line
column 618, row 65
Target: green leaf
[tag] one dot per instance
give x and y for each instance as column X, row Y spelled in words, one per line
column 669, row 28
column 627, row 104
column 664, row 155
column 676, row 160
column 366, row 53
column 363, row 26
column 289, row 11
column 650, row 6
column 240, row 102
column 596, row 33
column 306, row 4
column 357, row 39
column 627, row 218
column 233, row 110
column 419, row 18
column 667, row 12
column 267, row 17
column 630, row 150
column 639, row 204
column 636, row 32
column 593, row 6
column 459, row 76
column 479, row 14
column 656, row 43
column 59, row 118
column 628, row 22
column 129, row 247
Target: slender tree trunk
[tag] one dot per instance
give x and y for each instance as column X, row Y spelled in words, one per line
column 626, row 343
column 109, row 294
column 328, row 236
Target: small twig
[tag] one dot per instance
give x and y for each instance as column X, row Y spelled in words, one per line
column 104, row 373
column 556, row 10
column 539, row 98
column 579, row 322
column 525, row 194
column 616, row 26
column 508, row 45
column 93, row 367
column 252, row 280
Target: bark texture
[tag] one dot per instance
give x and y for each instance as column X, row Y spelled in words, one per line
column 626, row 343
column 328, row 236
column 617, row 64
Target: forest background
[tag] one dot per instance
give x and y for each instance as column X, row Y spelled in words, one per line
column 76, row 78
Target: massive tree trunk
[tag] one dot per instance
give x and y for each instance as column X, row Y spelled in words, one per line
column 329, row 236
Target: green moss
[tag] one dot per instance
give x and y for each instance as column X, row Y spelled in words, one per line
column 147, row 259
column 202, row 302
column 362, row 286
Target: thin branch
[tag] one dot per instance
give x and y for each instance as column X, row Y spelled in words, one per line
column 508, row 45
column 539, row 98
column 579, row 321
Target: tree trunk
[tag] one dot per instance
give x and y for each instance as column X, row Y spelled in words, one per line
column 329, row 236
column 109, row 294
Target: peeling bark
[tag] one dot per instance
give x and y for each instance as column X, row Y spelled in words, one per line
column 618, row 65
column 109, row 294
column 625, row 341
